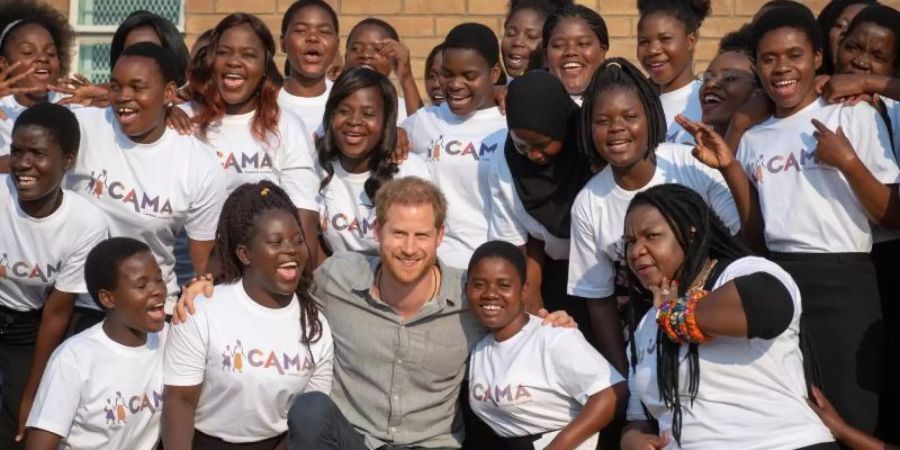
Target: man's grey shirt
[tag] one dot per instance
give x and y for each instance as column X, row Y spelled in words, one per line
column 397, row 381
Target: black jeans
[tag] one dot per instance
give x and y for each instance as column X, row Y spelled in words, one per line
column 316, row 423
column 18, row 333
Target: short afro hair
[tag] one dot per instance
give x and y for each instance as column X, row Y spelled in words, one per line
column 799, row 18
column 168, row 65
column 101, row 268
column 32, row 11
column 57, row 120
column 477, row 37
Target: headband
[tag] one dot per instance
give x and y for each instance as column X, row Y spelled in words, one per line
column 9, row 28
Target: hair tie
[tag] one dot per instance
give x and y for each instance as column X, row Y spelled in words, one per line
column 9, row 28
column 264, row 192
column 614, row 64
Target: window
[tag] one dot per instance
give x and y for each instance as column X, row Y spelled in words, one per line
column 95, row 21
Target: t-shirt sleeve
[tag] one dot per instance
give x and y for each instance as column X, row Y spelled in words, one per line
column 503, row 224
column 578, row 368
column 206, row 203
column 71, row 276
column 409, row 126
column 869, row 135
column 752, row 265
column 591, row 273
column 184, row 363
column 296, row 171
column 59, row 395
column 323, row 374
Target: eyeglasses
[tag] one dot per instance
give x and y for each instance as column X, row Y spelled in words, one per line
column 726, row 78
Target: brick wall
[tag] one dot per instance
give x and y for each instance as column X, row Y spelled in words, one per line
column 422, row 24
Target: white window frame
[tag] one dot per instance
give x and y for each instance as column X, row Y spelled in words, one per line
column 97, row 34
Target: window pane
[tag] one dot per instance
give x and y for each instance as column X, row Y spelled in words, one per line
column 113, row 12
column 93, row 61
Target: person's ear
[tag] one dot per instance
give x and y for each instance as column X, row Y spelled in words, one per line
column 495, row 73
column 242, row 252
column 818, row 59
column 170, row 93
column 106, row 299
column 69, row 161
column 692, row 42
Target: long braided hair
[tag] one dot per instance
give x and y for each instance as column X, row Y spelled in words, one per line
column 236, row 227
column 702, row 236
column 616, row 73
column 381, row 168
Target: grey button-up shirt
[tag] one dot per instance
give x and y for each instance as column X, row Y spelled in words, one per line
column 397, row 381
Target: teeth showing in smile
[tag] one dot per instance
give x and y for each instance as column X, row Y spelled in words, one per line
column 785, row 83
column 712, row 98
column 25, row 180
column 656, row 65
column 124, row 110
column 572, row 66
column 491, row 307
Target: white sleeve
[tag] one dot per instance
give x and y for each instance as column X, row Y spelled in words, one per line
column 296, row 171
column 579, row 369
column 184, row 362
column 634, row 412
column 59, row 395
column 71, row 277
column 502, row 224
column 591, row 273
column 323, row 374
column 719, row 197
column 409, row 125
column 869, row 135
column 753, row 264
column 206, row 203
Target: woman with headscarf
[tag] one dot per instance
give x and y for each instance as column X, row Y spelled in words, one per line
column 534, row 185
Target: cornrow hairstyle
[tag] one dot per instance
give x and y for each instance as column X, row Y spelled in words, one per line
column 689, row 12
column 169, row 37
column 40, row 13
column 884, row 17
column 211, row 105
column 381, row 168
column 503, row 250
column 163, row 58
column 477, row 37
column 301, row 4
column 799, row 18
column 237, row 226
column 826, row 20
column 588, row 15
column 618, row 73
column 702, row 235
column 375, row 22
column 739, row 41
column 58, row 121
column 544, row 8
column 101, row 267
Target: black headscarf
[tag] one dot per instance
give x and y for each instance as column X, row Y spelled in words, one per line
column 538, row 101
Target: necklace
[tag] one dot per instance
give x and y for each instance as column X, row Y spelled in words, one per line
column 701, row 280
column 434, row 281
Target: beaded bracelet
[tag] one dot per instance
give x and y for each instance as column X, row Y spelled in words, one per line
column 677, row 318
column 694, row 333
column 663, row 320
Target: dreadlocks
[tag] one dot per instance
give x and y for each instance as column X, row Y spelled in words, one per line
column 618, row 73
column 702, row 236
column 236, row 227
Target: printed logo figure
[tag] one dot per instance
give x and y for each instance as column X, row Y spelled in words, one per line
column 238, row 357
column 110, row 412
column 97, row 184
column 120, row 408
column 226, row 359
column 436, row 145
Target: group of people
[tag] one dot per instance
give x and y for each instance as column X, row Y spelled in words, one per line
column 560, row 250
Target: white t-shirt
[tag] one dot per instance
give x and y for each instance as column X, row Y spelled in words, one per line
column 751, row 393
column 892, row 108
column 686, row 101
column 536, row 381
column 598, row 216
column 149, row 192
column 510, row 221
column 458, row 151
column 12, row 109
column 39, row 254
column 809, row 207
column 287, row 160
column 401, row 116
column 97, row 393
column 346, row 212
column 310, row 110
column 249, row 362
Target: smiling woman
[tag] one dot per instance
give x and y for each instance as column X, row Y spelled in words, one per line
column 575, row 44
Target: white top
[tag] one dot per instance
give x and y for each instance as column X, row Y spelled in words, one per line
column 97, row 393
column 149, row 192
column 893, row 113
column 686, row 101
column 346, row 212
column 598, row 216
column 249, row 362
column 807, row 206
column 536, row 381
column 458, row 151
column 287, row 160
column 401, row 117
column 12, row 108
column 310, row 110
column 38, row 255
column 510, row 221
column 751, row 393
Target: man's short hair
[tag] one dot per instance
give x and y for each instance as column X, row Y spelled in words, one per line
column 410, row 191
